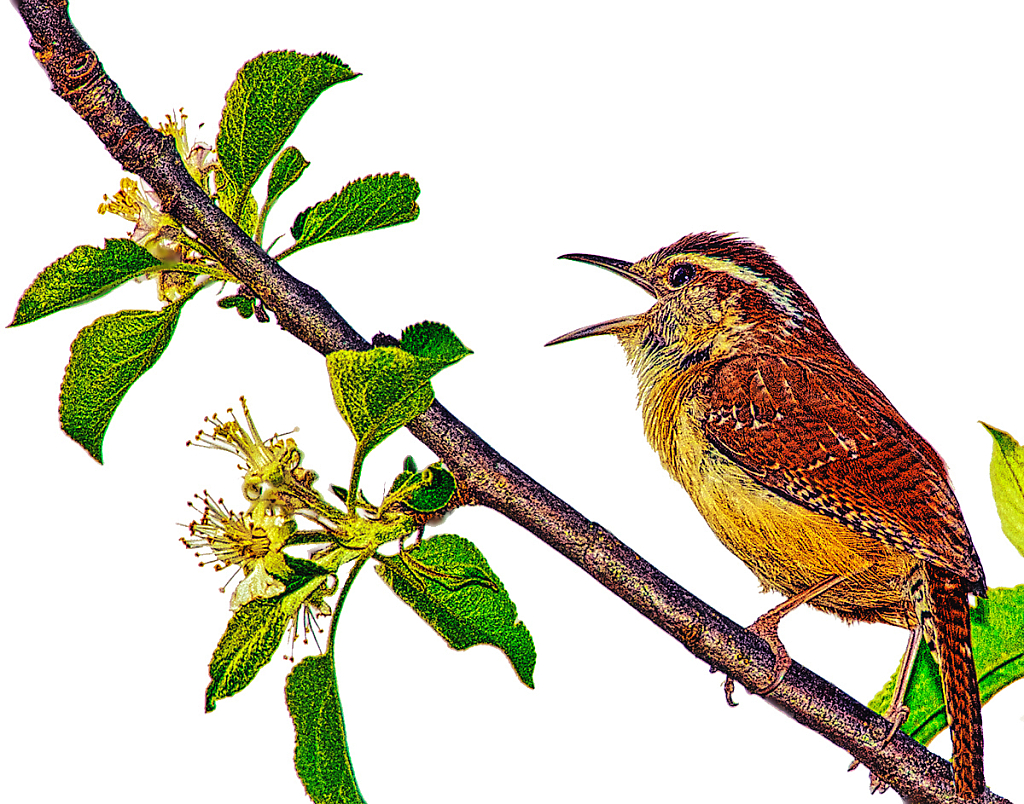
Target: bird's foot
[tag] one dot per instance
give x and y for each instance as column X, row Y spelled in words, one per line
column 730, row 688
column 896, row 717
column 767, row 627
column 875, row 783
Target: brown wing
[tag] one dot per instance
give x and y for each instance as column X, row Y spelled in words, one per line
column 829, row 440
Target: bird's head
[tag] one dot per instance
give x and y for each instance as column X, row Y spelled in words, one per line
column 716, row 296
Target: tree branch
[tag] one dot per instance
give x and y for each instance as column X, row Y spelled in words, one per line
column 485, row 478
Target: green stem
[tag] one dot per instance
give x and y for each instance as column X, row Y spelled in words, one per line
column 288, row 251
column 261, row 221
column 309, row 537
column 196, row 288
column 341, row 602
column 353, row 485
column 196, row 245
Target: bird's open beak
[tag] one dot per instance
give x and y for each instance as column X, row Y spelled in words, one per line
column 604, row 328
column 620, row 267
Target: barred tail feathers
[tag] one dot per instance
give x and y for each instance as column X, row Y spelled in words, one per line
column 940, row 603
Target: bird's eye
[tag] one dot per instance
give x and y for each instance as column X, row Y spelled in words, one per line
column 680, row 273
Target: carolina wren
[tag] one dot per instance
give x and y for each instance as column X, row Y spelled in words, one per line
column 798, row 462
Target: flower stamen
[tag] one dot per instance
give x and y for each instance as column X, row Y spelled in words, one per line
column 273, row 462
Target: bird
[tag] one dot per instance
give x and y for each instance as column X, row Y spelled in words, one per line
column 799, row 463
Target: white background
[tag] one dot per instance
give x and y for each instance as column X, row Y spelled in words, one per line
column 874, row 149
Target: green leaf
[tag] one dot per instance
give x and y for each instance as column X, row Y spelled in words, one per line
column 243, row 305
column 82, row 275
column 241, row 209
column 255, row 631
column 322, row 760
column 106, row 358
column 302, row 571
column 362, row 206
column 252, row 637
column 997, row 634
column 265, row 103
column 405, row 477
column 379, row 390
column 447, row 581
column 286, row 171
column 400, row 482
column 1007, row 472
column 436, row 491
column 433, row 341
column 424, row 492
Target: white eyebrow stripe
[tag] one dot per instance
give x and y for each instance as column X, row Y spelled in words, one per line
column 782, row 298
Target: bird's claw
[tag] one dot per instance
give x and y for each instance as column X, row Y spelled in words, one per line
column 767, row 627
column 896, row 720
column 730, row 688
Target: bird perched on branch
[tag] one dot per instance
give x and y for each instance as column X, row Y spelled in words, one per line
column 799, row 463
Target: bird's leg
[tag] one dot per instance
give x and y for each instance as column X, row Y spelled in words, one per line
column 897, row 711
column 767, row 627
